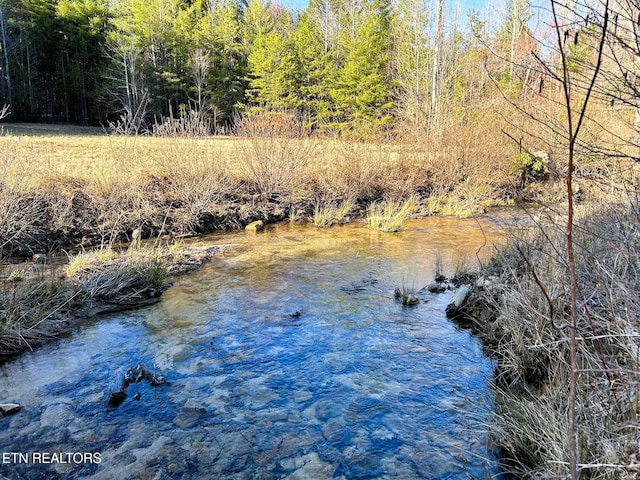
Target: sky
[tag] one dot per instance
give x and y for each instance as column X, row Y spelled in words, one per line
column 295, row 4
column 478, row 5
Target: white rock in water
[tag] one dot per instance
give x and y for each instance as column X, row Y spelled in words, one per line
column 460, row 296
column 9, row 408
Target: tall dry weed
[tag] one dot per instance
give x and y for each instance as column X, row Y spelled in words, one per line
column 273, row 148
column 351, row 169
column 531, row 303
column 466, row 165
column 191, row 124
column 21, row 213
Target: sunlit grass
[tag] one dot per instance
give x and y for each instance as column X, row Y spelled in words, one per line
column 528, row 300
column 390, row 215
column 85, row 261
column 40, row 304
column 331, row 213
column 95, row 188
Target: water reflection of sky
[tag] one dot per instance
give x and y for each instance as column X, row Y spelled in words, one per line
column 288, row 358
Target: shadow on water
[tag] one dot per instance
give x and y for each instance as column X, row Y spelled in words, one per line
column 288, row 358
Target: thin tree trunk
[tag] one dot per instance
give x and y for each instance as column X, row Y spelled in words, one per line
column 435, row 76
column 515, row 32
column 5, row 55
column 32, row 104
column 574, row 123
column 636, row 125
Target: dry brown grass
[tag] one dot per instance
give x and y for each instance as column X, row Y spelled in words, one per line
column 530, row 305
column 101, row 187
column 85, row 187
column 33, row 311
column 40, row 303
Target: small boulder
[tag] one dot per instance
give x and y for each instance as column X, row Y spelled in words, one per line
column 135, row 375
column 437, row 288
column 456, row 305
column 9, row 408
column 256, row 226
column 116, row 398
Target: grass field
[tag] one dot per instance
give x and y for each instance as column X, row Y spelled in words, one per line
column 66, row 187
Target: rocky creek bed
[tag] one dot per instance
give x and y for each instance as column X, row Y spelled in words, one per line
column 290, row 358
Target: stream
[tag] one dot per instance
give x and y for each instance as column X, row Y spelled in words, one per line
column 285, row 357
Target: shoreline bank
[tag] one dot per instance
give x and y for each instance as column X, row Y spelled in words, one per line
column 518, row 307
column 48, row 304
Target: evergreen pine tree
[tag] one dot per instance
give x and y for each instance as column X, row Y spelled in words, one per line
column 362, row 92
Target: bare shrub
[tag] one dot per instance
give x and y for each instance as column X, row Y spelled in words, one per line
column 351, row 169
column 23, row 215
column 129, row 124
column 195, row 179
column 191, row 124
column 273, row 149
column 468, row 152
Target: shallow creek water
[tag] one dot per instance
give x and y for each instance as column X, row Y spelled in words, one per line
column 287, row 357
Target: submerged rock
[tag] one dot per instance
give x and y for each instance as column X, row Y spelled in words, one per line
column 308, row 466
column 361, row 286
column 189, row 416
column 57, row 415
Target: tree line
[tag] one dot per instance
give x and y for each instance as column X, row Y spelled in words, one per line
column 343, row 65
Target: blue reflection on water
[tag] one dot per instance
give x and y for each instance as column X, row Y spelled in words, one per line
column 305, row 366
